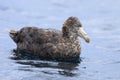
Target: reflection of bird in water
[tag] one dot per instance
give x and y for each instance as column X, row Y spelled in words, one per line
column 62, row 68
column 51, row 43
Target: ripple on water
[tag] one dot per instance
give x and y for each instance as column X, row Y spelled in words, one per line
column 48, row 67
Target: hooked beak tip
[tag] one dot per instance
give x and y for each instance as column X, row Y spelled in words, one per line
column 83, row 35
column 87, row 39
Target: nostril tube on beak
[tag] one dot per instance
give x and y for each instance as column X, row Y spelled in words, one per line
column 83, row 34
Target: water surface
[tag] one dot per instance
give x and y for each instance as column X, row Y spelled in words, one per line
column 100, row 58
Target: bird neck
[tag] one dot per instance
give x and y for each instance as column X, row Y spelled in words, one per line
column 67, row 34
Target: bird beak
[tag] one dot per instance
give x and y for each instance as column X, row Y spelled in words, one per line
column 83, row 34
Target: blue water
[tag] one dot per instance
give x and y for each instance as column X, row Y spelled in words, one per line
column 100, row 58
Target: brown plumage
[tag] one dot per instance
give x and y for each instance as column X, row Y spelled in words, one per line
column 51, row 43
